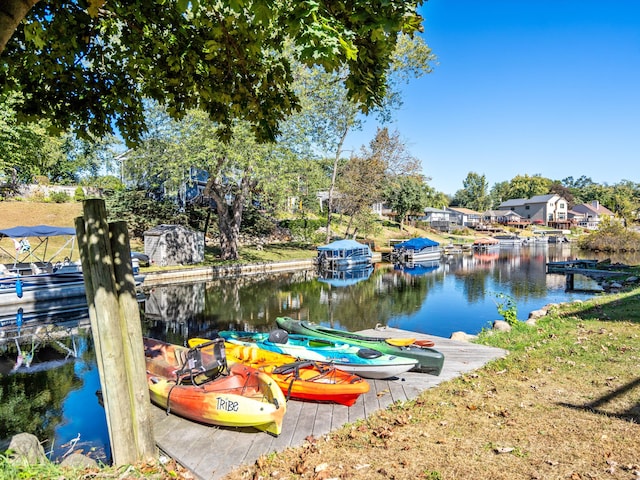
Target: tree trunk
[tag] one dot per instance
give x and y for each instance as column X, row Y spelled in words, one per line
column 333, row 183
column 229, row 216
column 229, row 233
column 11, row 14
column 349, row 225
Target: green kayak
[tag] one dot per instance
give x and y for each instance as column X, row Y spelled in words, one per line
column 429, row 360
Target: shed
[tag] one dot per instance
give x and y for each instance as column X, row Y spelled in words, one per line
column 174, row 245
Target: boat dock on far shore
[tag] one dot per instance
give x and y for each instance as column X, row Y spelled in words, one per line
column 210, row 453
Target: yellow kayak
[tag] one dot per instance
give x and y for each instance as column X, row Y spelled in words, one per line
column 200, row 386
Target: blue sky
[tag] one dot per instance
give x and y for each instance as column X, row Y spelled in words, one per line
column 549, row 87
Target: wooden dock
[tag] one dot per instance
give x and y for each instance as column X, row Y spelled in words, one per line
column 212, row 452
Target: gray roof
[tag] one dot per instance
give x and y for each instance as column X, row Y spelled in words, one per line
column 435, row 210
column 514, row 202
column 542, row 198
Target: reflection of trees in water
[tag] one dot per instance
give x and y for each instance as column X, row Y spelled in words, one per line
column 474, row 285
column 362, row 305
column 253, row 302
column 173, row 311
column 31, row 400
column 244, row 303
column 520, row 272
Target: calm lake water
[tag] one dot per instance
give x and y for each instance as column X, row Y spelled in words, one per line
column 56, row 399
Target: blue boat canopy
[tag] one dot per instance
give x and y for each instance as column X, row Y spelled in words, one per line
column 419, row 268
column 37, row 231
column 343, row 245
column 416, row 244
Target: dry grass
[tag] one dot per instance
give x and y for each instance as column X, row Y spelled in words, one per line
column 27, row 213
column 563, row 405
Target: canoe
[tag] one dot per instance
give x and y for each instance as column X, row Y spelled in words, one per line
column 299, row 379
column 429, row 360
column 363, row 362
column 202, row 387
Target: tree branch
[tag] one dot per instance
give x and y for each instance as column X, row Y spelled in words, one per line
column 12, row 12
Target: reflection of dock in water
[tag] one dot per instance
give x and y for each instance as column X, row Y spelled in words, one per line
column 41, row 341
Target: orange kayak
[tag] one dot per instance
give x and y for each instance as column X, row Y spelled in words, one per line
column 233, row 395
column 299, row 379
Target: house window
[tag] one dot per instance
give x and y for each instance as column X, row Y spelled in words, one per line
column 527, row 207
column 561, row 205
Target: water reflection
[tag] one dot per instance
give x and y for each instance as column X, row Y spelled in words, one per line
column 48, row 384
column 345, row 276
column 457, row 293
column 419, row 268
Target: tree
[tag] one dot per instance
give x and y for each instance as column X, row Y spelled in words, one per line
column 239, row 170
column 360, row 186
column 525, row 186
column 436, row 199
column 89, row 65
column 499, row 193
column 406, row 194
column 327, row 115
column 362, row 178
column 26, row 149
column 565, row 192
column 475, row 194
column 626, row 200
column 390, row 149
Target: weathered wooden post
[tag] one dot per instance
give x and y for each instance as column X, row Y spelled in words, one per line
column 117, row 332
column 569, row 282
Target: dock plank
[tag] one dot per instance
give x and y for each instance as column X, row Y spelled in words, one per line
column 211, row 452
column 322, row 423
column 339, row 416
column 305, row 424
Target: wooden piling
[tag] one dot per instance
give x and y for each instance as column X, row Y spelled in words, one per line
column 133, row 345
column 117, row 335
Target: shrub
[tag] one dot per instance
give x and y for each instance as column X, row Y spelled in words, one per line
column 79, row 195
column 611, row 236
column 142, row 212
column 507, row 307
column 59, row 197
column 255, row 222
column 303, row 228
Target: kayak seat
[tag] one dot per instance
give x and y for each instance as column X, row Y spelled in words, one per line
column 278, row 336
column 369, row 353
column 199, row 367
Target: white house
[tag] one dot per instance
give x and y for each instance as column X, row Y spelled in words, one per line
column 550, row 209
column 589, row 215
column 438, row 219
column 465, row 217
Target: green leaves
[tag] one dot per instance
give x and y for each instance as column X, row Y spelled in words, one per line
column 229, row 58
column 507, row 307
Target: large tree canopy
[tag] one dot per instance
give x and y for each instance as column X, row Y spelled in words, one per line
column 88, row 64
